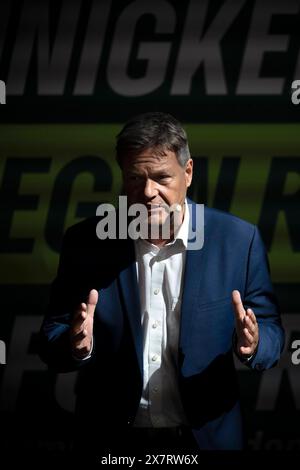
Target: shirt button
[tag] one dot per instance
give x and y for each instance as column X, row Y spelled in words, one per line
column 154, row 325
column 154, row 357
column 156, row 291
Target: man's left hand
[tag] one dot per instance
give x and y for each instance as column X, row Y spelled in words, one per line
column 246, row 327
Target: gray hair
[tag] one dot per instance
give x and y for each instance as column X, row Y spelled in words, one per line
column 153, row 130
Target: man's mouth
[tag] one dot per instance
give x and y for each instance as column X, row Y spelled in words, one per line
column 160, row 206
column 153, row 207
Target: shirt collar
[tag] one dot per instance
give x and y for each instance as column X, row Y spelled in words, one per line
column 181, row 234
column 183, row 231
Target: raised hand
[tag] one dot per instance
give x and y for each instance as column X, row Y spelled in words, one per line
column 81, row 332
column 246, row 327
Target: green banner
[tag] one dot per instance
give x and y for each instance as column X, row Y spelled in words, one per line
column 52, row 176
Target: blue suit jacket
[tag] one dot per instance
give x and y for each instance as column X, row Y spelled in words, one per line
column 110, row 383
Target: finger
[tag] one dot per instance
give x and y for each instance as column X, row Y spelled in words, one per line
column 245, row 350
column 93, row 297
column 251, row 315
column 92, row 301
column 82, row 308
column 81, row 351
column 80, row 316
column 250, row 325
column 238, row 306
column 248, row 336
column 79, row 335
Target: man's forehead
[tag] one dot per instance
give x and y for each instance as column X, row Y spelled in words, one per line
column 152, row 157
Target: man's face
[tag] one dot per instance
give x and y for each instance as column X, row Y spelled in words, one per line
column 156, row 180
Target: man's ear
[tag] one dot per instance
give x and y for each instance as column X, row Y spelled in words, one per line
column 189, row 172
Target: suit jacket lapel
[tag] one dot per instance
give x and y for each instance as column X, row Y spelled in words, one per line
column 195, row 267
column 131, row 298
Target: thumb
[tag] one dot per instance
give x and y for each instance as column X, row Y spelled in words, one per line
column 238, row 306
column 92, row 301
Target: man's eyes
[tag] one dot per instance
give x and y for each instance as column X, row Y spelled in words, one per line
column 164, row 179
column 159, row 178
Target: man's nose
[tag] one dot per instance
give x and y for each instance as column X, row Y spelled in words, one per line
column 150, row 189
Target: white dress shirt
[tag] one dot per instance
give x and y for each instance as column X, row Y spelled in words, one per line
column 160, row 279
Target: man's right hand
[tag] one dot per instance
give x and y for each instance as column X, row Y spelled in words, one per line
column 82, row 327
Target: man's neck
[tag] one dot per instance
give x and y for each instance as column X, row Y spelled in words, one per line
column 163, row 241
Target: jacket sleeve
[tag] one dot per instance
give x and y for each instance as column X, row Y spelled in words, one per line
column 66, row 293
column 260, row 297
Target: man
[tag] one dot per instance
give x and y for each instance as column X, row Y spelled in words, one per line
column 151, row 325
